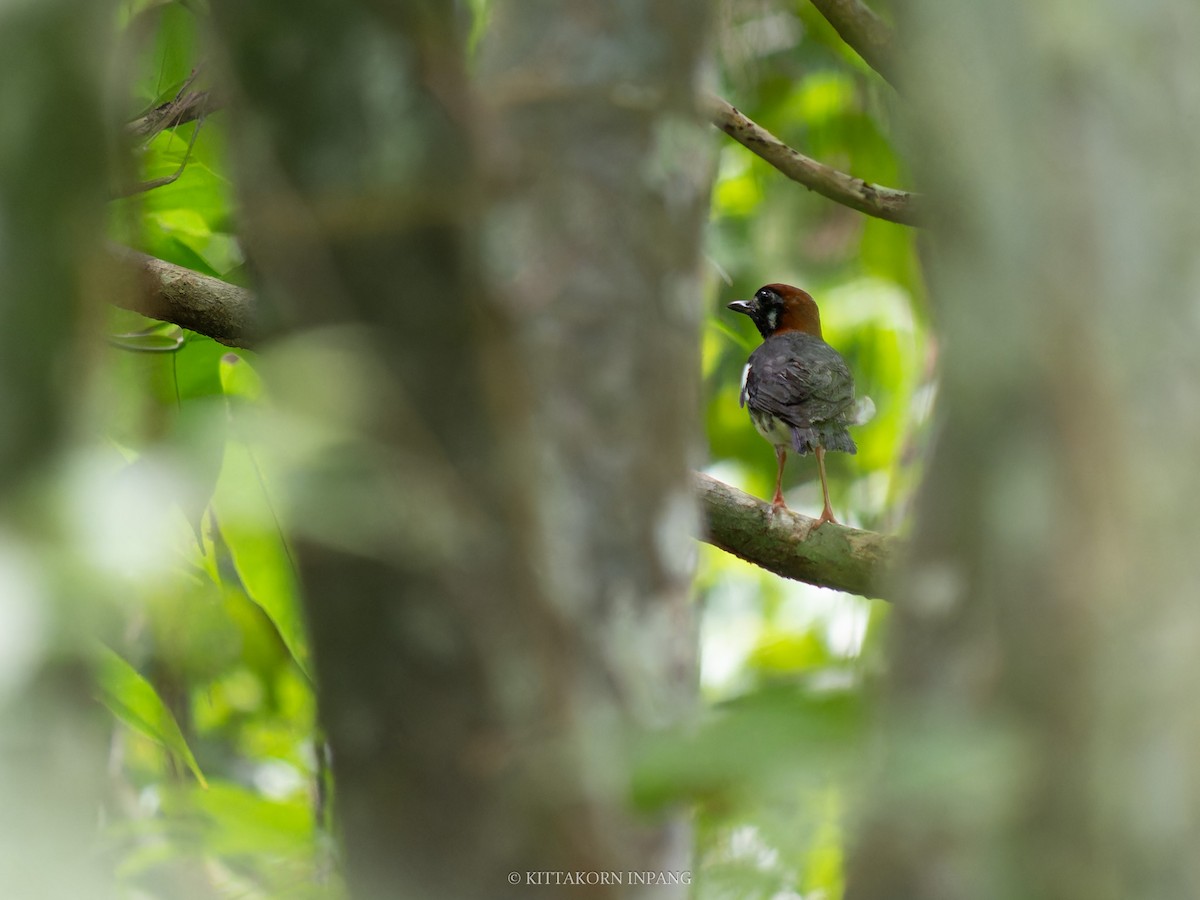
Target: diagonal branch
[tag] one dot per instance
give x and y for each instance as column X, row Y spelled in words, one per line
column 205, row 305
column 782, row 542
column 873, row 199
column 864, row 32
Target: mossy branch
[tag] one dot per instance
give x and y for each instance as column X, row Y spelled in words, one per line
column 784, row 542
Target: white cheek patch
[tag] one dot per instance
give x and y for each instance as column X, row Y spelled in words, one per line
column 772, row 318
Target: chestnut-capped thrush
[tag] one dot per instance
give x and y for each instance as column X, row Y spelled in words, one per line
column 798, row 389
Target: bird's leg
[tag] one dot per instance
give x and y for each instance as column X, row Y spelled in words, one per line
column 777, row 502
column 827, row 512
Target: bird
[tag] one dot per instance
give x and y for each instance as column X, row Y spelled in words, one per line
column 798, row 389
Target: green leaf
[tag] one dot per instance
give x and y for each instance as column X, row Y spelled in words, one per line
column 164, row 61
column 248, row 520
column 238, row 378
column 782, row 653
column 242, row 823
column 134, row 701
column 795, row 732
column 260, row 554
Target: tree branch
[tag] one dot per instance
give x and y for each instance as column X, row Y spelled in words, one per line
column 833, row 556
column 873, row 199
column 208, row 306
column 864, row 32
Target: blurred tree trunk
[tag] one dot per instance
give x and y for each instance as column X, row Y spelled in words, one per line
column 1043, row 735
column 491, row 553
column 52, row 191
column 592, row 251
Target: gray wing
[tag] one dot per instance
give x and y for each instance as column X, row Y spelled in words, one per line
column 799, row 379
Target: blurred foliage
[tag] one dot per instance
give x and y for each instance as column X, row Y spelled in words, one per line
column 210, row 672
column 216, row 751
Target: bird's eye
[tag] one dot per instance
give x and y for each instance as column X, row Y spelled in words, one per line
column 763, row 295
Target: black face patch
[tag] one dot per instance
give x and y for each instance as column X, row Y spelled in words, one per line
column 765, row 310
column 768, row 306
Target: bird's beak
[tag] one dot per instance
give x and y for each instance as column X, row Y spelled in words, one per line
column 742, row 306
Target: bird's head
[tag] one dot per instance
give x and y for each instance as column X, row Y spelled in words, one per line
column 777, row 308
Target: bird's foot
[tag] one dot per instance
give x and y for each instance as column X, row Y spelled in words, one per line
column 826, row 516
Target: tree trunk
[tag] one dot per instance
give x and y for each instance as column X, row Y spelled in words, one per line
column 1042, row 733
column 592, row 253
column 52, row 732
column 491, row 555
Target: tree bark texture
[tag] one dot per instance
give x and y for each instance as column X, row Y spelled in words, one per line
column 1042, row 728
column 492, row 556
column 200, row 303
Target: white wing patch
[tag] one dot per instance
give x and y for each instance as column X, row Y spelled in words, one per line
column 863, row 411
column 745, row 378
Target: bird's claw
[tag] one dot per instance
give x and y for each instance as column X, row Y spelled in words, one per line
column 826, row 516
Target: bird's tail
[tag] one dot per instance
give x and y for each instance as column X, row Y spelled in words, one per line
column 806, row 440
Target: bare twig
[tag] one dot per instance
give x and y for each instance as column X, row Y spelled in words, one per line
column 865, row 33
column 873, row 199
column 144, row 186
column 783, row 542
column 186, row 106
